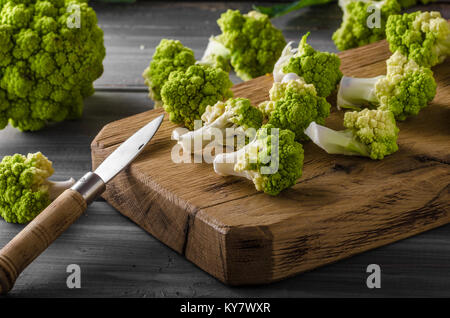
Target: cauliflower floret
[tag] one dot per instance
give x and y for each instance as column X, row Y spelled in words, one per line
column 421, row 36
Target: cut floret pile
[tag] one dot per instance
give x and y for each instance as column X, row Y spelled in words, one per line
column 24, row 188
column 273, row 161
column 405, row 89
column 318, row 68
column 47, row 67
column 370, row 133
column 236, row 113
column 421, row 36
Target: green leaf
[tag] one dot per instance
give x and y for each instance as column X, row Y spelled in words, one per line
column 282, row 9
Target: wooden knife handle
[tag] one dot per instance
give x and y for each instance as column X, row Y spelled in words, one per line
column 38, row 235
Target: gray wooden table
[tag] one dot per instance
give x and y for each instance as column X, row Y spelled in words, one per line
column 117, row 258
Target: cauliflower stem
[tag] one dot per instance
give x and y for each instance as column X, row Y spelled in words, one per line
column 369, row 133
column 235, row 113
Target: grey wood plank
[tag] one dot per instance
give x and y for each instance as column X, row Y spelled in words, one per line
column 117, row 258
column 133, row 31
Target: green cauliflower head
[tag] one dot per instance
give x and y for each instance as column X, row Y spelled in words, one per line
column 406, row 88
column 421, row 36
column 272, row 176
column 376, row 129
column 255, row 44
column 294, row 105
column 186, row 94
column 169, row 56
column 48, row 63
column 273, row 160
column 318, row 68
column 23, row 193
column 354, row 30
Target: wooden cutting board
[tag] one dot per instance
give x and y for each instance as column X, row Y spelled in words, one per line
column 340, row 207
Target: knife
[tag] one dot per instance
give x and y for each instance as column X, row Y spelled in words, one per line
column 68, row 207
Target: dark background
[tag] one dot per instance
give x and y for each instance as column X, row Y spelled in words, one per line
column 117, row 258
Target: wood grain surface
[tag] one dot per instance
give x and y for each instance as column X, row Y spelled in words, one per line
column 341, row 206
column 118, row 258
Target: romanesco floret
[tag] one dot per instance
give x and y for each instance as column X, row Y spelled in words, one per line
column 273, row 161
column 354, row 30
column 47, row 63
column 186, row 94
column 169, row 56
column 255, row 44
column 318, row 68
column 421, row 36
column 293, row 105
column 236, row 113
column 404, row 90
column 24, row 188
column 371, row 133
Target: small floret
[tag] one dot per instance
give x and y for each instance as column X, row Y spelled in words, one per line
column 404, row 90
column 235, row 113
column 216, row 55
column 273, row 161
column 358, row 16
column 169, row 56
column 48, row 63
column 293, row 105
column 421, row 36
column 369, row 133
column 318, row 68
column 186, row 94
column 255, row 44
column 24, row 189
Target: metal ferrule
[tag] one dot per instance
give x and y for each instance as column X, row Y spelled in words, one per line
column 90, row 186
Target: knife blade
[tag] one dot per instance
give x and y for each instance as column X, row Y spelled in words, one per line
column 68, row 207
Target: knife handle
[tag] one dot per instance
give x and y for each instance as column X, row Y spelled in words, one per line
column 38, row 235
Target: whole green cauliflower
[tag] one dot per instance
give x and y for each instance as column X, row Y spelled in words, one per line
column 273, row 160
column 24, row 188
column 294, row 105
column 169, row 56
column 47, row 63
column 318, row 68
column 186, row 94
column 354, row 30
column 421, row 36
column 371, row 133
column 254, row 43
